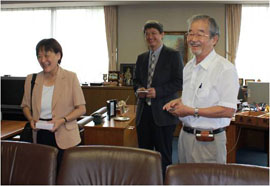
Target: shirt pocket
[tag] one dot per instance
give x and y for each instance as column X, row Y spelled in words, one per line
column 202, row 92
column 202, row 97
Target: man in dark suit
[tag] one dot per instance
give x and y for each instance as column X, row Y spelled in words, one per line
column 158, row 79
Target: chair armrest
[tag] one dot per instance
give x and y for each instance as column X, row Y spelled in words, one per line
column 85, row 120
column 101, row 111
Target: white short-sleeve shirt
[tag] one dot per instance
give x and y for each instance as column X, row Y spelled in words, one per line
column 213, row 82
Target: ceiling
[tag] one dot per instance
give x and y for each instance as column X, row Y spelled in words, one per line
column 134, row 2
column 48, row 3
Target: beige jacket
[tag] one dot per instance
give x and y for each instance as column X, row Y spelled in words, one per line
column 67, row 94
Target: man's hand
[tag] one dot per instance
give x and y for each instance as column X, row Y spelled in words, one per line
column 177, row 108
column 141, row 92
column 182, row 110
column 151, row 93
column 170, row 105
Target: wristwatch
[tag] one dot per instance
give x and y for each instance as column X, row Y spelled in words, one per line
column 196, row 112
column 65, row 119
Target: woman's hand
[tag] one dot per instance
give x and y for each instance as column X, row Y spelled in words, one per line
column 33, row 124
column 27, row 113
column 77, row 112
column 56, row 124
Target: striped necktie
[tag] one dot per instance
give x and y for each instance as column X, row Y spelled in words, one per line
column 150, row 74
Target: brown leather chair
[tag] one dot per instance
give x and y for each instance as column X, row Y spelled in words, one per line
column 216, row 174
column 103, row 165
column 26, row 163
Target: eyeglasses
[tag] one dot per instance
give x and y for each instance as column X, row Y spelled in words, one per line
column 198, row 35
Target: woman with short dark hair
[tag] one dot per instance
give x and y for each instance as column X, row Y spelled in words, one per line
column 57, row 99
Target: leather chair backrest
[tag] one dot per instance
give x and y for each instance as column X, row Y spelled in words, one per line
column 110, row 165
column 27, row 163
column 217, row 174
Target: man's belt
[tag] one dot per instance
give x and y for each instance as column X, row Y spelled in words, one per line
column 195, row 131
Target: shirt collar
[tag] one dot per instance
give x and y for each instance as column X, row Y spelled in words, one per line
column 157, row 52
column 206, row 62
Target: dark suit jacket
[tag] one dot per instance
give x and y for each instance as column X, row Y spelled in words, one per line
column 167, row 81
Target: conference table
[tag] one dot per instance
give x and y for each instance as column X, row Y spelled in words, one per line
column 10, row 128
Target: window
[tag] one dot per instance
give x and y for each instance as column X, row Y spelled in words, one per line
column 252, row 59
column 80, row 31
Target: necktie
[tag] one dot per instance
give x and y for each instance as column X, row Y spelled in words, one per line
column 150, row 75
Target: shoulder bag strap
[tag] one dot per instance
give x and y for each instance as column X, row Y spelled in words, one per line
column 32, row 87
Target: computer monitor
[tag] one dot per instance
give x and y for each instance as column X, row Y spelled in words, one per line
column 258, row 92
column 12, row 90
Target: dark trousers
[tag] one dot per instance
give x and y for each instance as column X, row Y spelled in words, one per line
column 46, row 137
column 153, row 137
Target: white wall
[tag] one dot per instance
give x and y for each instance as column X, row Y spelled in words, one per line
column 173, row 16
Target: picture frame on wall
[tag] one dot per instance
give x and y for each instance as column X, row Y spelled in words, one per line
column 113, row 76
column 248, row 80
column 128, row 71
column 178, row 41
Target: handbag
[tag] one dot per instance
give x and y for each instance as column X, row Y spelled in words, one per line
column 27, row 134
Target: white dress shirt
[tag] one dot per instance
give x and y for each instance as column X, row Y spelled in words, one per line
column 213, row 82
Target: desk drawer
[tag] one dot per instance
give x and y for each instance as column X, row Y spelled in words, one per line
column 263, row 120
column 248, row 117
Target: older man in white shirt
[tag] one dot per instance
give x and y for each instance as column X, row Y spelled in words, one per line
column 209, row 97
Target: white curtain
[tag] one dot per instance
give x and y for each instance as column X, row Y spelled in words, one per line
column 80, row 31
column 111, row 18
column 233, row 22
column 252, row 58
column 20, row 31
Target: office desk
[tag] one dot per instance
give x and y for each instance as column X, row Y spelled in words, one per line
column 232, row 135
column 96, row 96
column 11, row 128
column 111, row 132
